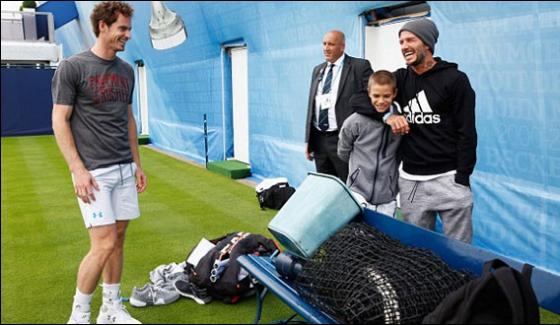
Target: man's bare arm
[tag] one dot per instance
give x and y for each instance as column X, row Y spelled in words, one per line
column 141, row 179
column 84, row 183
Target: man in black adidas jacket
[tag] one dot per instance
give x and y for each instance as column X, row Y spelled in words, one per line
column 439, row 152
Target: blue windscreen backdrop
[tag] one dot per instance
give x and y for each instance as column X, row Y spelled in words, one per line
column 509, row 50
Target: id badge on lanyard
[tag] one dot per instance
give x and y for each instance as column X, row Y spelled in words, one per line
column 325, row 101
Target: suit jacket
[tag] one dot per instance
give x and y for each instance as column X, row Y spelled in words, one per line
column 354, row 78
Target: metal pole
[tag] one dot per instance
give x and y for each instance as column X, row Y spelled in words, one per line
column 206, row 140
column 222, row 56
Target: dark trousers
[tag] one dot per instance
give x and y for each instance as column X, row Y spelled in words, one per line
column 324, row 146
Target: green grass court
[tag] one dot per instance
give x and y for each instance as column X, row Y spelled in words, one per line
column 44, row 239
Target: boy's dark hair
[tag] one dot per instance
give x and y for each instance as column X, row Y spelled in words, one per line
column 382, row 77
column 108, row 11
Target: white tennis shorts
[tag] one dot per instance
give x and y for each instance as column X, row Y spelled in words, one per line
column 117, row 198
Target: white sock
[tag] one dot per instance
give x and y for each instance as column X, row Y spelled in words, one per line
column 111, row 293
column 82, row 302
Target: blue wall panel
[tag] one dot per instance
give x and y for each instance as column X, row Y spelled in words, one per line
column 509, row 50
column 26, row 101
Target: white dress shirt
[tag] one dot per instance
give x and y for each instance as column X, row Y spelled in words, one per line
column 337, row 70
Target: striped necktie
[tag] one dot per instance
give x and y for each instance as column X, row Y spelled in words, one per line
column 328, row 81
column 324, row 113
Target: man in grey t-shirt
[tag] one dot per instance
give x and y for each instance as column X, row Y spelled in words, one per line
column 96, row 132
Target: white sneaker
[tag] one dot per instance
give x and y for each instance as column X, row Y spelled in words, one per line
column 115, row 314
column 79, row 317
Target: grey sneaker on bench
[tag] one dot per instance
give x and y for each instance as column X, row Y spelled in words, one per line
column 150, row 294
column 189, row 290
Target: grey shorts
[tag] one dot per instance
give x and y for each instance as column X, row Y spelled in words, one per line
column 117, row 198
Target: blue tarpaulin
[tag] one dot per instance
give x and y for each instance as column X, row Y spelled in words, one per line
column 509, row 50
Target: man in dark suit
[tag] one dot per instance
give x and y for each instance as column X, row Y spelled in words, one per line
column 332, row 84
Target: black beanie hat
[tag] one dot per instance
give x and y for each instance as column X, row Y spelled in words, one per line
column 425, row 29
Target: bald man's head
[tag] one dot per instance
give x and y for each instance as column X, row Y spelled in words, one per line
column 333, row 45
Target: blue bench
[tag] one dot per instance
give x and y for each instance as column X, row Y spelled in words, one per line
column 263, row 270
column 456, row 254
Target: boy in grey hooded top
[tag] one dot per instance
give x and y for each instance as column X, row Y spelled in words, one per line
column 371, row 148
